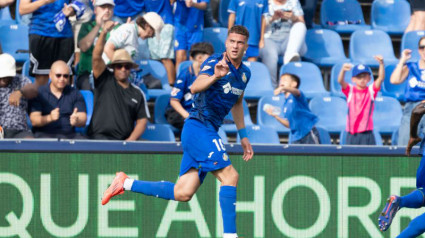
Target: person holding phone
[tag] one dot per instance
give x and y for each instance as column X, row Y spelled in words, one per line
column 285, row 35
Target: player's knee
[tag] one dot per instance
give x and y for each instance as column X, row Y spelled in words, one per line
column 231, row 179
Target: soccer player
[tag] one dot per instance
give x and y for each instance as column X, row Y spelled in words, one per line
column 415, row 199
column 218, row 89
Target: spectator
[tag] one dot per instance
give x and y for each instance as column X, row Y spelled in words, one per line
column 417, row 19
column 58, row 108
column 104, row 10
column 360, row 100
column 181, row 98
column 415, row 88
column 46, row 43
column 296, row 114
column 15, row 90
column 161, row 48
column 125, row 9
column 126, row 36
column 285, row 35
column 120, row 110
column 250, row 14
column 76, row 23
column 189, row 25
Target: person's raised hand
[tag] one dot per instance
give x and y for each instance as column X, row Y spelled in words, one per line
column 109, row 25
column 99, row 19
column 347, row 67
column 221, row 68
column 73, row 119
column 406, row 55
column 379, row 58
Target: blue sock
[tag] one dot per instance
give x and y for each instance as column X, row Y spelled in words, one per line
column 161, row 189
column 227, row 198
column 416, row 227
column 413, row 200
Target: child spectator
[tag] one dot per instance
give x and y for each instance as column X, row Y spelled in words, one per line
column 181, row 98
column 360, row 100
column 250, row 14
column 296, row 114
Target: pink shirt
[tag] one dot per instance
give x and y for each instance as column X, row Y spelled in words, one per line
column 360, row 108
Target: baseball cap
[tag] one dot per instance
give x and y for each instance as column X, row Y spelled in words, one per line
column 7, row 66
column 359, row 69
column 104, row 2
column 155, row 21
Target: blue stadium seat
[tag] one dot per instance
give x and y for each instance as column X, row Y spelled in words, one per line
column 14, row 41
column 325, row 138
column 391, row 16
column 335, row 86
column 392, row 90
column 332, row 113
column 260, row 83
column 264, row 119
column 161, row 104
column 410, row 40
column 324, row 47
column 364, row 45
column 223, row 15
column 88, row 98
column 387, row 114
column 158, row 132
column 344, row 11
column 156, row 69
column 223, row 135
column 217, row 37
column 378, row 138
column 394, row 137
column 229, row 126
column 183, row 65
column 310, row 76
column 261, row 135
column 26, row 71
column 5, row 17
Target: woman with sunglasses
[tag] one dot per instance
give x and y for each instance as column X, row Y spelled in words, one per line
column 414, row 73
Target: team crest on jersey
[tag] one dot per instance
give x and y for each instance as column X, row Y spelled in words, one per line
column 225, row 157
column 244, row 78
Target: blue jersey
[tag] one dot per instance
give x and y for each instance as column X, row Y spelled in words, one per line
column 181, row 90
column 42, row 21
column 162, row 7
column 415, row 87
column 248, row 13
column 301, row 119
column 128, row 8
column 191, row 18
column 213, row 104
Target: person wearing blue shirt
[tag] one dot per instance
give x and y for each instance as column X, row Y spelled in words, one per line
column 125, row 9
column 189, row 25
column 296, row 114
column 218, row 89
column 251, row 14
column 181, row 99
column 414, row 74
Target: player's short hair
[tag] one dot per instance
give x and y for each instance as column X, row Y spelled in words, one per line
column 201, row 48
column 294, row 77
column 238, row 29
column 420, row 39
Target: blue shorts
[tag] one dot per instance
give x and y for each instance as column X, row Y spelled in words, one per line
column 203, row 149
column 420, row 174
column 252, row 51
column 183, row 38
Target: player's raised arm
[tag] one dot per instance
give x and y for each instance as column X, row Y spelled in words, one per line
column 237, row 113
column 204, row 80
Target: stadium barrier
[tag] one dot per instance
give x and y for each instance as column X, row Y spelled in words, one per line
column 53, row 189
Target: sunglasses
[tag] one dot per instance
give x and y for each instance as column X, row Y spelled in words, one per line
column 66, row 76
column 119, row 66
column 421, row 47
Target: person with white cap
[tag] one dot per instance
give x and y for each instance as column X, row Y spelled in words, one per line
column 120, row 109
column 15, row 90
column 127, row 35
column 89, row 32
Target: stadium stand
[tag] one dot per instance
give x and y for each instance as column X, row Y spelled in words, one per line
column 14, row 40
column 390, row 16
column 157, row 70
column 324, row 47
column 223, row 135
column 310, row 76
column 158, row 132
column 88, row 98
column 387, row 114
column 26, row 70
column 5, row 17
column 261, row 135
column 183, row 65
column 410, row 41
column 264, row 119
column 223, row 15
column 229, row 126
column 335, row 86
column 378, row 138
column 332, row 113
column 325, row 138
column 217, row 37
column 392, row 90
column 260, row 83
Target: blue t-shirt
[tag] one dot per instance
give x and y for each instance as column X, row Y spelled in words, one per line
column 301, row 119
column 42, row 21
column 248, row 13
column 181, row 90
column 191, row 18
column 162, row 7
column 45, row 102
column 213, row 104
column 415, row 88
column 128, row 8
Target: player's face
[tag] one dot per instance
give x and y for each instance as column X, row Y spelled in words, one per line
column 236, row 46
column 362, row 80
column 421, row 49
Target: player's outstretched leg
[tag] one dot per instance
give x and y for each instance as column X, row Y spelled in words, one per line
column 116, row 188
column 387, row 215
column 416, row 228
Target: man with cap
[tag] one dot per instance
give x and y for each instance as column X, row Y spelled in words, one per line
column 126, row 36
column 15, row 90
column 360, row 101
column 120, row 109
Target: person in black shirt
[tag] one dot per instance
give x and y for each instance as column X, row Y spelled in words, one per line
column 120, row 110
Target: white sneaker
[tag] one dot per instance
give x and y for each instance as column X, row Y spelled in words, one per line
column 294, row 58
